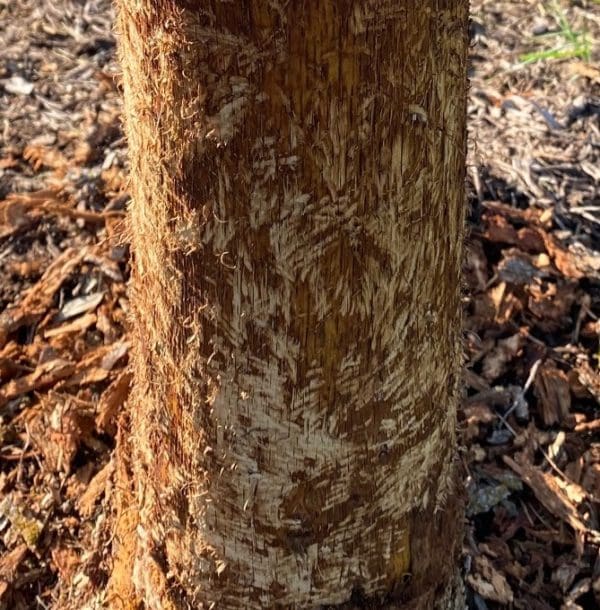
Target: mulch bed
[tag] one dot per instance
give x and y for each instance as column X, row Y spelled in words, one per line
column 530, row 419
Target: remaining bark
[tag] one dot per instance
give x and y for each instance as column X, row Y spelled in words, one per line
column 297, row 218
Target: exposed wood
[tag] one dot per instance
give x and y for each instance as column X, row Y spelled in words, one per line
column 297, row 225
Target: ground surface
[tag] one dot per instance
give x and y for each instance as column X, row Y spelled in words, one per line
column 531, row 414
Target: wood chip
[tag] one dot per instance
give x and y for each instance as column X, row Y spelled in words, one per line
column 39, row 298
column 45, row 376
column 78, row 325
column 553, row 394
column 554, row 499
column 9, row 564
column 112, row 401
column 489, row 582
column 96, row 487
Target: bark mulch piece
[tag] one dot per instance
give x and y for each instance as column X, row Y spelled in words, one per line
column 530, row 419
column 532, row 400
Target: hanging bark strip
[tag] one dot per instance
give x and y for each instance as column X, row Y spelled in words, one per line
column 297, row 219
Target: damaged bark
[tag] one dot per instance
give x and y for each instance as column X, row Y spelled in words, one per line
column 297, row 224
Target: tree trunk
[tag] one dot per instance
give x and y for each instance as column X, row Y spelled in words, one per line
column 297, row 221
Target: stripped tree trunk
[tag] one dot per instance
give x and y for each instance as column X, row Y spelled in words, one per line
column 297, row 178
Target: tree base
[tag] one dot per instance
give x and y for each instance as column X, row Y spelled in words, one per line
column 433, row 583
column 452, row 598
